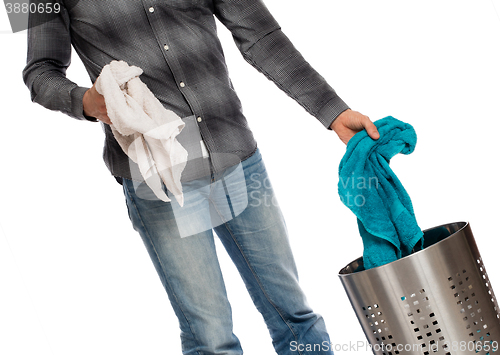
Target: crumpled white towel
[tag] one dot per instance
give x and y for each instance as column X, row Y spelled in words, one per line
column 145, row 130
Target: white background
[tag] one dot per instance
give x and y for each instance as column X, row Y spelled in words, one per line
column 75, row 277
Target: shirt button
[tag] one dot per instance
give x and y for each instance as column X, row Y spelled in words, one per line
column 166, row 47
column 181, row 84
column 151, row 9
column 199, row 119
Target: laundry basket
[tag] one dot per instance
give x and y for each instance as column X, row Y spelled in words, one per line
column 437, row 300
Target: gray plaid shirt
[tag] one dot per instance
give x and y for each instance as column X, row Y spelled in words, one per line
column 175, row 43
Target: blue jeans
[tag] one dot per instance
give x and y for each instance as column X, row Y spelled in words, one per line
column 249, row 223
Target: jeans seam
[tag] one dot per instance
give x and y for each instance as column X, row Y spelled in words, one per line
column 162, row 268
column 257, row 278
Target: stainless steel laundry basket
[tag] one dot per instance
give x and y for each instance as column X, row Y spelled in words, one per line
column 437, row 300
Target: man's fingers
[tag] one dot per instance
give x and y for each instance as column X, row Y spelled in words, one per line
column 105, row 119
column 371, row 129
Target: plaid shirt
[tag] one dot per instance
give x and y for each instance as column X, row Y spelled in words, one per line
column 176, row 44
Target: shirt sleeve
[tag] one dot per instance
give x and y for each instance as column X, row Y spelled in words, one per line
column 49, row 55
column 262, row 43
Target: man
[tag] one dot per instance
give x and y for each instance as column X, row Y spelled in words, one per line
column 176, row 45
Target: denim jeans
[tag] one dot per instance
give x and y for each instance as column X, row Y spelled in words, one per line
column 249, row 223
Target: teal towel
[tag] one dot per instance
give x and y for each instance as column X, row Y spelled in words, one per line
column 370, row 189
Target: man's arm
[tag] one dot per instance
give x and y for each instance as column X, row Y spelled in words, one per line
column 49, row 55
column 262, row 43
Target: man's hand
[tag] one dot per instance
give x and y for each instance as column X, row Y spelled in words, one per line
column 349, row 122
column 94, row 105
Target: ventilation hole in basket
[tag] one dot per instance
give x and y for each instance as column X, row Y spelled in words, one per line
column 450, row 278
column 435, row 322
column 460, row 282
column 422, row 290
column 389, row 336
column 470, row 287
column 369, row 308
column 431, row 315
column 465, row 318
column 410, row 314
column 426, row 298
column 416, row 330
column 459, row 302
column 412, row 295
column 375, row 305
column 415, row 303
column 471, row 334
column 468, row 326
column 383, row 338
column 456, row 295
column 428, row 334
column 441, row 338
column 403, row 298
column 452, row 287
column 426, row 353
column 418, row 310
column 419, row 337
column 458, row 275
column 438, row 330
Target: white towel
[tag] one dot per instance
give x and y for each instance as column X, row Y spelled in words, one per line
column 145, row 130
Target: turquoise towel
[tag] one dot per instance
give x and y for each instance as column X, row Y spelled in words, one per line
column 369, row 187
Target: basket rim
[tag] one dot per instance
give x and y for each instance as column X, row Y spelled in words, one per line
column 461, row 225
